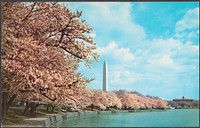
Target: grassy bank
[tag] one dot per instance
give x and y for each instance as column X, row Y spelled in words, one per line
column 16, row 116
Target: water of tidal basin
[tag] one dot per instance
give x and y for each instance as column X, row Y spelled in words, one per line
column 177, row 117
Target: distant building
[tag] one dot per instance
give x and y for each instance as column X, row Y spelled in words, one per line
column 182, row 99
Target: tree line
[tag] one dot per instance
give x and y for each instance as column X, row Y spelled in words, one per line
column 43, row 44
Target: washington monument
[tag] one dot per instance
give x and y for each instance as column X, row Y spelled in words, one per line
column 105, row 76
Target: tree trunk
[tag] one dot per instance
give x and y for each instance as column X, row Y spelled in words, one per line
column 52, row 108
column 47, row 108
column 26, row 108
column 10, row 103
column 4, row 103
column 33, row 108
column 21, row 103
column 28, row 105
column 92, row 106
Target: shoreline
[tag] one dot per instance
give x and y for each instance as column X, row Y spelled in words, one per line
column 50, row 119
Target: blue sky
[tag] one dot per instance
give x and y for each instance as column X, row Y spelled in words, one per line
column 150, row 47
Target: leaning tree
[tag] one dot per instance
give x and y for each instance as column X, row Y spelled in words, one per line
column 42, row 46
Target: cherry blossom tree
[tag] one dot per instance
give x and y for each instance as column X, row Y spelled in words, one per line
column 42, row 46
column 99, row 99
column 129, row 101
column 133, row 101
column 113, row 100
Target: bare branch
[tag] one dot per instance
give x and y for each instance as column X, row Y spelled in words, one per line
column 29, row 12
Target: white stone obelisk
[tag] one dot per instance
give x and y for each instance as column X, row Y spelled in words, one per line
column 105, row 76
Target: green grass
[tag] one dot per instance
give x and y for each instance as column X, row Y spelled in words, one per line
column 16, row 116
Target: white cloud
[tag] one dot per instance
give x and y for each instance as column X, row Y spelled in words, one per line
column 113, row 51
column 112, row 20
column 121, row 76
column 160, row 60
column 189, row 21
column 187, row 29
column 164, row 63
column 169, row 55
